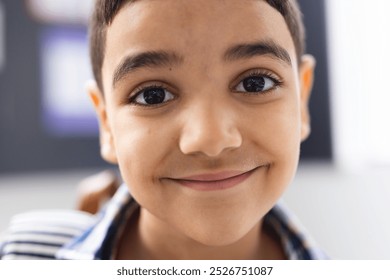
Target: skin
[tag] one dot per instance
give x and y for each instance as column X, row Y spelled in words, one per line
column 209, row 126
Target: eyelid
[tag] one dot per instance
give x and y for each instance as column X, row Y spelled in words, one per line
column 257, row 72
column 139, row 89
column 144, row 86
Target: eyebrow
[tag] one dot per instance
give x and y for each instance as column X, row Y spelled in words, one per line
column 153, row 59
column 134, row 62
column 244, row 51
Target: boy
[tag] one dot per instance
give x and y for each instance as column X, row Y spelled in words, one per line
column 203, row 104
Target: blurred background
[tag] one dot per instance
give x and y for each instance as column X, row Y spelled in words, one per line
column 49, row 134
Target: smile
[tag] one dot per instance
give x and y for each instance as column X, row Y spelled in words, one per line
column 213, row 182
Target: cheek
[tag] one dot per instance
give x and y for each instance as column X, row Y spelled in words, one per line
column 141, row 147
column 277, row 134
column 287, row 134
column 277, row 128
column 286, row 144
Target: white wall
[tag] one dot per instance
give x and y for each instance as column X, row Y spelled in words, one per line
column 359, row 44
column 347, row 212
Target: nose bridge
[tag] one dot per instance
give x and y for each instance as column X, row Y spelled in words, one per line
column 210, row 127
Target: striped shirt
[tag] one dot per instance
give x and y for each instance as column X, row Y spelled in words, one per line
column 72, row 235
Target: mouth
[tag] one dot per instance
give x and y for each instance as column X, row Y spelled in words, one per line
column 213, row 182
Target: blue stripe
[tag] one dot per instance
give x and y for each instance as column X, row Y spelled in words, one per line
column 54, row 225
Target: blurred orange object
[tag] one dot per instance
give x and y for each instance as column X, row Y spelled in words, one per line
column 95, row 190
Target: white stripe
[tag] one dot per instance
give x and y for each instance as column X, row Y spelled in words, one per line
column 70, row 217
column 75, row 255
column 46, row 229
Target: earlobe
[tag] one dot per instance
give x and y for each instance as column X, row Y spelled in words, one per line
column 107, row 147
column 306, row 72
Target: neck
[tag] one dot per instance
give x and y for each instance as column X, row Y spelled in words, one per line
column 150, row 238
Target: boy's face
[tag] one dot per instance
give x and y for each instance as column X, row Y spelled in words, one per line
column 203, row 90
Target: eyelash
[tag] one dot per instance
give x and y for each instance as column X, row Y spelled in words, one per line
column 131, row 99
column 254, row 73
column 259, row 73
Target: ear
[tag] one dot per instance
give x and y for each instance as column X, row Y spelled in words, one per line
column 306, row 76
column 107, row 147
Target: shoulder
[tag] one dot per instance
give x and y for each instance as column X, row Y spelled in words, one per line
column 40, row 234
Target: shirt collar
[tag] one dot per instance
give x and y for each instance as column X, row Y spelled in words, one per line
column 297, row 243
column 99, row 240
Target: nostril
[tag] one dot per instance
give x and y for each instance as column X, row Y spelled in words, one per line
column 211, row 142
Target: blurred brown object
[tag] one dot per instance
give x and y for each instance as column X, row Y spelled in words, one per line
column 93, row 191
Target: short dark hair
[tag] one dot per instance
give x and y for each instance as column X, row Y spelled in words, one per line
column 105, row 11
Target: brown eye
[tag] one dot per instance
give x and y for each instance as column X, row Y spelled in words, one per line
column 153, row 96
column 255, row 84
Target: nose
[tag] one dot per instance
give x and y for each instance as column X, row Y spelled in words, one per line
column 210, row 130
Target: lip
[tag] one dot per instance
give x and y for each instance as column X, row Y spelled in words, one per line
column 212, row 182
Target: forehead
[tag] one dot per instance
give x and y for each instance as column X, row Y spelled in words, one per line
column 200, row 29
